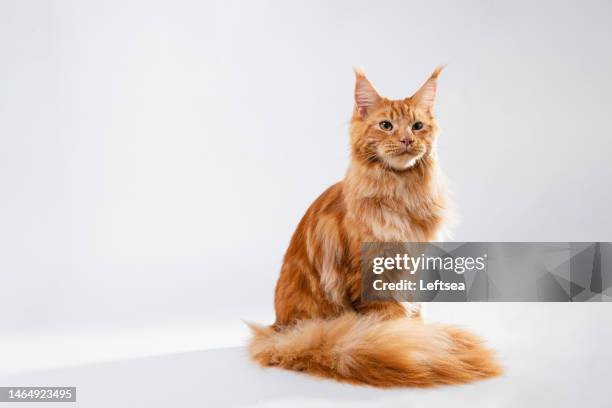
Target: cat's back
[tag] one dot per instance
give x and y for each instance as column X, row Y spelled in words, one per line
column 331, row 201
column 310, row 260
column 326, row 213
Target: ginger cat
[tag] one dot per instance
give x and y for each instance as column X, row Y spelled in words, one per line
column 392, row 192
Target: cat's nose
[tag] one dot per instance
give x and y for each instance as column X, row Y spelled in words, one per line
column 407, row 141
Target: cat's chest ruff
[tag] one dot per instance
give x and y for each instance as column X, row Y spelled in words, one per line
column 401, row 223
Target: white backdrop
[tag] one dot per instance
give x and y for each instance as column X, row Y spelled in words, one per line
column 155, row 157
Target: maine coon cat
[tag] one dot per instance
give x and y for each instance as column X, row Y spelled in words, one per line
column 392, row 192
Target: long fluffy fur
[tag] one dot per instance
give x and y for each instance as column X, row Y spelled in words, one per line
column 392, row 192
column 365, row 349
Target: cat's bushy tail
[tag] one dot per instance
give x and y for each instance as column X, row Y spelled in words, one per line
column 368, row 350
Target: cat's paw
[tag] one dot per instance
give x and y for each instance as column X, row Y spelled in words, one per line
column 413, row 310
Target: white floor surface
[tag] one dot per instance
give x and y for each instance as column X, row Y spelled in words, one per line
column 555, row 355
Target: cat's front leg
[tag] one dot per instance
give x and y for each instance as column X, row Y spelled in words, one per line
column 391, row 309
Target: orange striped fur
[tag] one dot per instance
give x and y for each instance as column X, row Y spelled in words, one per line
column 392, row 192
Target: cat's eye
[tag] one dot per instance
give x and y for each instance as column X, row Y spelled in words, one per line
column 386, row 125
column 417, row 126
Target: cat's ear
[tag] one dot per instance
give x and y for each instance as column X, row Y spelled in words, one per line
column 426, row 95
column 366, row 96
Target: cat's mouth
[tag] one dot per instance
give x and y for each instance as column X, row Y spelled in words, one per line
column 405, row 151
column 402, row 157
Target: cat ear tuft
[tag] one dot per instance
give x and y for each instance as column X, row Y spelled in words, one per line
column 426, row 95
column 366, row 96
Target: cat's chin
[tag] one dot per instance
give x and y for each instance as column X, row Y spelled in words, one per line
column 402, row 162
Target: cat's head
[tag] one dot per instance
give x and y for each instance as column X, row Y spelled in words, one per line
column 395, row 134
